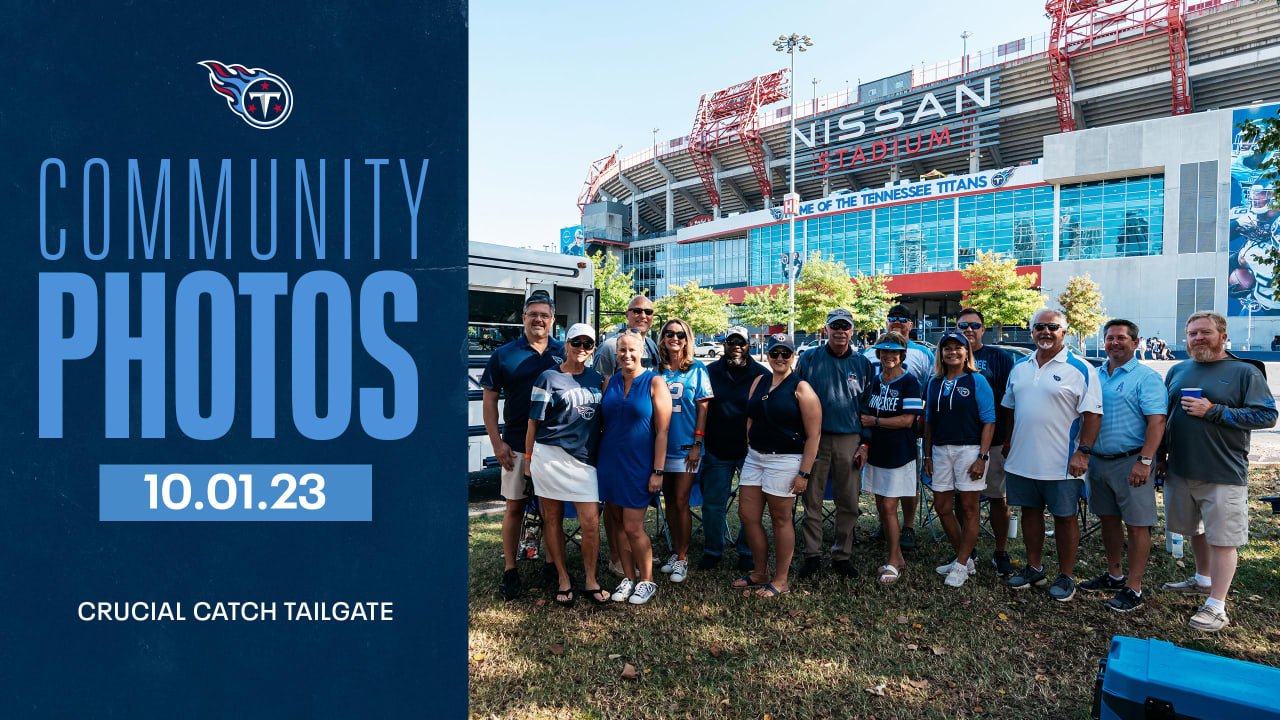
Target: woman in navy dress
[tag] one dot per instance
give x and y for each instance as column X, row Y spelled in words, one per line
column 636, row 409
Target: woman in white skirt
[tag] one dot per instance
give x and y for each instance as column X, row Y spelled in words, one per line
column 959, row 422
column 893, row 404
column 784, row 425
column 564, row 435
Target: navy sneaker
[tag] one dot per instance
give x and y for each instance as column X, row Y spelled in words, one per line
column 1027, row 578
column 1064, row 588
column 1124, row 601
column 907, row 539
column 1002, row 563
column 1101, row 583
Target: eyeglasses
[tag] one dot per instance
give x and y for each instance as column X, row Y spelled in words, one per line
column 674, row 333
column 968, row 326
column 641, row 311
column 898, row 318
column 588, row 344
column 840, row 325
column 1051, row 327
column 735, row 342
column 780, row 353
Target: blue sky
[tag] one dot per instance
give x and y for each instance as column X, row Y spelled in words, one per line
column 555, row 86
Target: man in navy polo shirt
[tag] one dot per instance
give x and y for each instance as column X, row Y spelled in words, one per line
column 511, row 371
column 731, row 378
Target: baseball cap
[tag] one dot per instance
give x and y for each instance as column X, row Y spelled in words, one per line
column 739, row 331
column 580, row 330
column 780, row 340
column 840, row 314
column 958, row 337
column 899, row 311
column 887, row 342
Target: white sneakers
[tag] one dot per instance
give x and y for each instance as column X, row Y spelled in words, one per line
column 644, row 591
column 958, row 574
column 625, row 588
column 679, row 570
column 670, row 564
column 945, row 569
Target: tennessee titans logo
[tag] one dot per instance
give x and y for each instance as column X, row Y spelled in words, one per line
column 557, row 359
column 261, row 99
column 1058, row 378
column 1002, row 177
column 777, row 213
column 964, row 391
column 586, row 411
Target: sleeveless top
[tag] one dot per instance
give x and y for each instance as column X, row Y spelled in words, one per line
column 776, row 423
column 626, row 446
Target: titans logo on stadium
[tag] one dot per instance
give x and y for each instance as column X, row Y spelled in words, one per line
column 1002, row 177
column 258, row 97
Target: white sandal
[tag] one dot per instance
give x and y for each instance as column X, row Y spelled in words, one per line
column 888, row 574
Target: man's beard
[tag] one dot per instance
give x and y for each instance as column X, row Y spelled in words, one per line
column 1202, row 353
column 740, row 361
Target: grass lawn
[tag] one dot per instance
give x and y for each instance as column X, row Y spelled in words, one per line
column 842, row 648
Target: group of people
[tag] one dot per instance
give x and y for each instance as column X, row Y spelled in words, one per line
column 1158, row 349
column 648, row 417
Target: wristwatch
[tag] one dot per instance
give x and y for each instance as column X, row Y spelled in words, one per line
column 656, row 471
column 1086, row 449
column 984, row 456
column 1144, row 460
column 803, row 474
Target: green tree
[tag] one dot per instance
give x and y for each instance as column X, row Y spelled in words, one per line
column 870, row 301
column 822, row 286
column 763, row 307
column 1081, row 302
column 1266, row 134
column 1002, row 295
column 614, row 285
column 704, row 310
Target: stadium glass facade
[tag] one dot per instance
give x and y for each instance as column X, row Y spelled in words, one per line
column 1120, row 217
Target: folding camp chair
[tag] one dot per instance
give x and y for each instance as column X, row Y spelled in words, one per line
column 695, row 501
column 1082, row 509
column 532, row 522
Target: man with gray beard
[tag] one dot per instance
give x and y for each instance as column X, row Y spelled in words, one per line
column 1215, row 401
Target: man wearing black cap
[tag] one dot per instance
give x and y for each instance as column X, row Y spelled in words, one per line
column 840, row 377
column 511, row 372
column 920, row 364
column 726, row 439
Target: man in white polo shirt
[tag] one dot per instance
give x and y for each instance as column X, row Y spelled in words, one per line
column 1056, row 401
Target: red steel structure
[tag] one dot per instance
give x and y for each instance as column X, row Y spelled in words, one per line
column 596, row 176
column 732, row 111
column 1080, row 27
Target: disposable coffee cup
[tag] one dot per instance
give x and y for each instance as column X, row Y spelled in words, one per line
column 1191, row 392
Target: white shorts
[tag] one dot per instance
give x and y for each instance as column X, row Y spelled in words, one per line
column 896, row 482
column 773, row 474
column 557, row 475
column 951, row 468
column 674, row 465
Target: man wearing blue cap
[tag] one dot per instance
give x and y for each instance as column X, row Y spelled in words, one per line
column 840, row 377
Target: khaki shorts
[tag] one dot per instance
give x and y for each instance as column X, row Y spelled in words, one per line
column 1221, row 512
column 513, row 480
column 995, row 474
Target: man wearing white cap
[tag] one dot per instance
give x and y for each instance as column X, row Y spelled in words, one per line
column 840, row 377
column 726, row 440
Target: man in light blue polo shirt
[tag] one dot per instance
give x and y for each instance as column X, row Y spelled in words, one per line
column 1121, row 484
column 1056, row 401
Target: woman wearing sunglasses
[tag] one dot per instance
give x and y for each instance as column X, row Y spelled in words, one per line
column 636, row 409
column 784, row 425
column 563, row 435
column 892, row 405
column 690, row 388
column 959, row 422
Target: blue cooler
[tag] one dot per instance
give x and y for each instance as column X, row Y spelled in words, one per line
column 1155, row 679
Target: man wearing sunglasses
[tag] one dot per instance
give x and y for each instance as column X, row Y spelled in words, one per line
column 920, row 364
column 1056, row 401
column 726, row 440
column 639, row 320
column 995, row 364
column 840, row 377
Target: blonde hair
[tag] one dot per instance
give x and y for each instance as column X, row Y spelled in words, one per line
column 940, row 368
column 1217, row 319
column 686, row 356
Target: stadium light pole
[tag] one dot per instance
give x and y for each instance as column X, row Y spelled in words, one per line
column 792, row 203
column 964, row 58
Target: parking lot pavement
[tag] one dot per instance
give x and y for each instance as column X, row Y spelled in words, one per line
column 1265, row 446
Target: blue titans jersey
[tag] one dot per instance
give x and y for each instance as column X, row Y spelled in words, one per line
column 893, row 448
column 959, row 408
column 687, row 388
column 568, row 410
column 511, row 370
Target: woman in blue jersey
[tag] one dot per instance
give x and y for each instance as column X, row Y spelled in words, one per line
column 636, row 409
column 690, row 388
column 564, row 433
column 959, row 422
column 784, row 425
column 890, row 409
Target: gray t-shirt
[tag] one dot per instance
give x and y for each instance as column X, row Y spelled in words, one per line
column 840, row 383
column 606, row 360
column 1215, row 448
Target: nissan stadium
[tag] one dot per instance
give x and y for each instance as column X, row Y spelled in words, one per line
column 1107, row 145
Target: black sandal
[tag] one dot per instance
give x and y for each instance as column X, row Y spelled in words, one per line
column 572, row 598
column 594, row 595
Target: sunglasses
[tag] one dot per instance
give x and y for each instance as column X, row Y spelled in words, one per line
column 641, row 311
column 784, row 354
column 735, row 342
column 969, row 325
column 588, row 344
column 840, row 325
column 896, row 318
column 1051, row 327
column 674, row 333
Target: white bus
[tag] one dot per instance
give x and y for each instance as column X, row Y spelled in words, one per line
column 499, row 279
